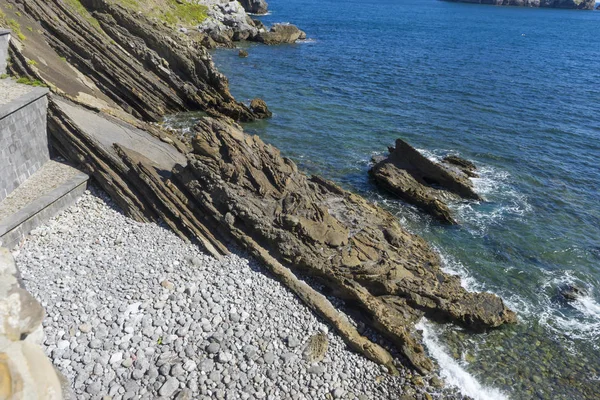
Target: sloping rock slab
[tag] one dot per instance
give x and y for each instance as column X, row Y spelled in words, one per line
column 315, row 228
column 414, row 178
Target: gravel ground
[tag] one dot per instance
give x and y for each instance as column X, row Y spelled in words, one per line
column 135, row 312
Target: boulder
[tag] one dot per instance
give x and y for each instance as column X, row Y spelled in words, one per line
column 25, row 371
column 428, row 185
column 255, row 6
column 259, row 107
column 243, row 53
column 571, row 292
column 311, row 227
column 281, row 34
column 466, row 166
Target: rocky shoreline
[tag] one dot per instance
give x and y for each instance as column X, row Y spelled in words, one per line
column 135, row 312
column 228, row 190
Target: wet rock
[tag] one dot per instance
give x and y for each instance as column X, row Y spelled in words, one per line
column 259, row 107
column 571, row 292
column 281, row 34
column 242, row 53
column 428, row 185
column 466, row 166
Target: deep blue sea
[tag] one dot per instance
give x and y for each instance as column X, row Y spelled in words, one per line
column 515, row 90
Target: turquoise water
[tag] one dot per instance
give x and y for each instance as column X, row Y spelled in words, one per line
column 513, row 89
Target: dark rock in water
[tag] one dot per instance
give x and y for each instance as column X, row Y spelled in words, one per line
column 571, row 292
column 243, row 53
column 419, row 181
column 255, row 6
column 259, row 107
column 466, row 166
column 404, row 185
column 573, row 4
column 311, row 226
column 281, row 34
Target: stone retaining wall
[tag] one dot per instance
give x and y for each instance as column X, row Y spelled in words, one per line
column 4, row 39
column 25, row 371
column 23, row 139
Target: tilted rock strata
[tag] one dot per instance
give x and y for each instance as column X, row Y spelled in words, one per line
column 414, row 178
column 145, row 67
column 25, row 371
column 314, row 227
column 575, row 4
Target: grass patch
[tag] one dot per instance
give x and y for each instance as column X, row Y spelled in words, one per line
column 12, row 24
column 76, row 6
column 27, row 81
column 169, row 11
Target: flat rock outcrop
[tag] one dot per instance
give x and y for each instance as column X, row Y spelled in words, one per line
column 281, row 34
column 314, row 228
column 428, row 185
column 570, row 4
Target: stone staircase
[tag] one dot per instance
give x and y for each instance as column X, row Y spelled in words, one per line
column 33, row 188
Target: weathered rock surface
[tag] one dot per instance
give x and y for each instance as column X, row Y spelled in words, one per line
column 25, row 371
column 315, row 228
column 144, row 67
column 255, row 6
column 574, row 4
column 281, row 34
column 414, row 178
column 259, row 107
column 227, row 22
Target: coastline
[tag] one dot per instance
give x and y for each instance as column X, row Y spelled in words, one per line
column 417, row 387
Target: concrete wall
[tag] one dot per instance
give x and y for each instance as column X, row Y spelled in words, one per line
column 4, row 39
column 23, row 139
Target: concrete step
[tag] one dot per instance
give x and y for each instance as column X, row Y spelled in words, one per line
column 48, row 191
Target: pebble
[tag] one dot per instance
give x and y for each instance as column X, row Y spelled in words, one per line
column 214, row 329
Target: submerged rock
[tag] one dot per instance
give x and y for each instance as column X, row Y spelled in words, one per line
column 243, row 53
column 571, row 292
column 313, row 227
column 414, row 178
column 281, row 34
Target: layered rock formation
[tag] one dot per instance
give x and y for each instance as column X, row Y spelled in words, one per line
column 141, row 66
column 233, row 188
column 414, row 178
column 315, row 228
column 25, row 371
column 572, row 4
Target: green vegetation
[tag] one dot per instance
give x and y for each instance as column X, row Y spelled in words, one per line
column 169, row 11
column 81, row 10
column 11, row 24
column 27, row 81
column 32, row 62
column 4, row 76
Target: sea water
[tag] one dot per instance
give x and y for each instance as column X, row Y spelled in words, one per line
column 516, row 91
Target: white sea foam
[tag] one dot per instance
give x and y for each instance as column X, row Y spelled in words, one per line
column 494, row 185
column 452, row 371
column 579, row 319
